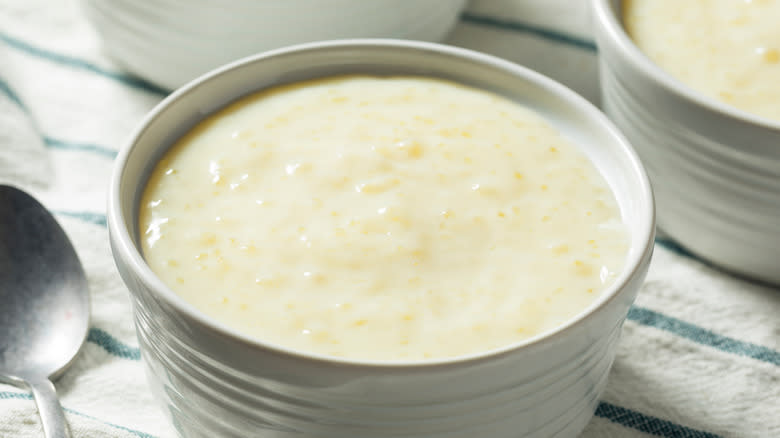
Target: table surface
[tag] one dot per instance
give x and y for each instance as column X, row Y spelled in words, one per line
column 700, row 351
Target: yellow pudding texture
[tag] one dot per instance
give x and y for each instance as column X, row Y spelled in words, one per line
column 393, row 219
column 725, row 49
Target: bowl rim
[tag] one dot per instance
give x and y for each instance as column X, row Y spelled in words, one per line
column 606, row 19
column 125, row 249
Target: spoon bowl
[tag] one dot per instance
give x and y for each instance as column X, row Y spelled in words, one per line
column 45, row 312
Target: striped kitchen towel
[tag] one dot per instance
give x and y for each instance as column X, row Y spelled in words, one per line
column 700, row 352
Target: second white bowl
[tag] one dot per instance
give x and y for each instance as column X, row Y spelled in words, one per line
column 715, row 169
column 171, row 42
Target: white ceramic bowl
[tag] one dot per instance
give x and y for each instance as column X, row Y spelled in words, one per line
column 170, row 42
column 715, row 169
column 214, row 381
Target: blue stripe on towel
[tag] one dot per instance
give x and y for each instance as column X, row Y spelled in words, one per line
column 5, row 89
column 85, row 147
column 647, row 424
column 540, row 32
column 81, row 64
column 55, row 142
column 680, row 250
column 8, row 395
column 112, row 345
column 84, row 216
column 703, row 336
column 675, row 247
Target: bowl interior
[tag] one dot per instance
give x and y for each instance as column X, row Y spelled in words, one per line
column 567, row 111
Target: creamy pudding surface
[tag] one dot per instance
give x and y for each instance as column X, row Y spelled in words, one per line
column 726, row 49
column 390, row 219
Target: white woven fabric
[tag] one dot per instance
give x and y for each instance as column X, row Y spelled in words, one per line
column 700, row 352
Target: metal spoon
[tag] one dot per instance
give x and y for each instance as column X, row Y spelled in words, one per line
column 44, row 303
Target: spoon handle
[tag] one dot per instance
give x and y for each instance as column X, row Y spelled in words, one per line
column 52, row 415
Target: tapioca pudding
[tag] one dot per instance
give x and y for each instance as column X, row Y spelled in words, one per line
column 725, row 49
column 398, row 218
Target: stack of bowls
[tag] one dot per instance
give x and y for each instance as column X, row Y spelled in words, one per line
column 715, row 169
column 215, row 381
column 170, row 42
